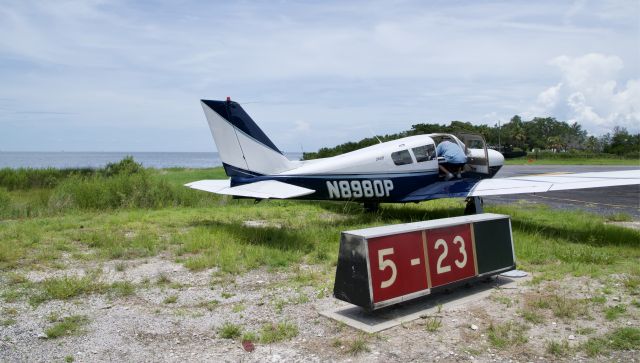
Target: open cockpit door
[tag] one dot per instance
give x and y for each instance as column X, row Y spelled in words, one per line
column 477, row 154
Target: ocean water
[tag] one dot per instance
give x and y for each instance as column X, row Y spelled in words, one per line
column 39, row 160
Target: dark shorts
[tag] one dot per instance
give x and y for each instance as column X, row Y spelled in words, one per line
column 453, row 165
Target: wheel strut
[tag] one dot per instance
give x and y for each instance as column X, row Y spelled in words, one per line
column 474, row 206
column 371, row 207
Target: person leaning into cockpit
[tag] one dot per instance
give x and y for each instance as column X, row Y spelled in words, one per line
column 454, row 159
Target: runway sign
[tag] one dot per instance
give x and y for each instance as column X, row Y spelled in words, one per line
column 385, row 265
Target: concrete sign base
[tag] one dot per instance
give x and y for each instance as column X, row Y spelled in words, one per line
column 385, row 318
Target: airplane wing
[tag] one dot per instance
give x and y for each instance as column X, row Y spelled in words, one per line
column 548, row 183
column 266, row 189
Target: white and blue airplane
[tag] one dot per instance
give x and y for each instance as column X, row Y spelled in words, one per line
column 398, row 171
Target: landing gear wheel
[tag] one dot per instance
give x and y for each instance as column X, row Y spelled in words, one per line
column 474, row 206
column 371, row 207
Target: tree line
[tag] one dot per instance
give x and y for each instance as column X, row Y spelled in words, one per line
column 540, row 133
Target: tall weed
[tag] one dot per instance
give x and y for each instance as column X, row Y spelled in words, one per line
column 28, row 178
column 120, row 191
column 125, row 184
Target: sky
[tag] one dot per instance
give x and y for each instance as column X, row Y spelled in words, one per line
column 128, row 75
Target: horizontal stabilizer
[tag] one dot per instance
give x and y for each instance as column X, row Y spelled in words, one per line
column 211, row 186
column 266, row 189
column 548, row 183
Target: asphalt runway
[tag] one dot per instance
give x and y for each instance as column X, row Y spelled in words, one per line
column 604, row 201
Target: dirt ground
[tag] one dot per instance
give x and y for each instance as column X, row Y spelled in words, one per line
column 176, row 315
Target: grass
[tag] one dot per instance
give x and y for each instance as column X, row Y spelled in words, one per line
column 627, row 338
column 357, row 346
column 595, row 346
column 561, row 306
column 300, row 298
column 9, row 311
column 230, row 331
column 249, row 336
column 568, row 308
column 554, row 243
column 558, row 243
column 7, row 321
column 16, row 287
column 506, row 334
column 614, row 312
column 27, row 178
column 619, row 217
column 239, row 307
column 558, row 349
column 632, row 284
column 278, row 305
column 209, row 305
column 122, row 288
column 26, row 193
column 53, row 317
column 11, row 295
column 433, row 323
column 585, row 330
column 69, row 325
column 66, row 287
column 8, row 316
column 69, row 287
column 163, row 279
column 506, row 301
column 532, row 316
column 171, row 299
column 273, row 333
column 337, row 343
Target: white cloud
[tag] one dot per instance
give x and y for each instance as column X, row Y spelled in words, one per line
column 548, row 99
column 589, row 93
column 334, row 64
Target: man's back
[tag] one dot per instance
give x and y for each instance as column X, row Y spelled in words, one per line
column 451, row 152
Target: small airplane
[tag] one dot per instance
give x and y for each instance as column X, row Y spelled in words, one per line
column 399, row 171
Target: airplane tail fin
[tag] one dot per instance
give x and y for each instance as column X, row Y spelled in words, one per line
column 244, row 149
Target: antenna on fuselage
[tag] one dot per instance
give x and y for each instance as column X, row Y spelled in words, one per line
column 374, row 135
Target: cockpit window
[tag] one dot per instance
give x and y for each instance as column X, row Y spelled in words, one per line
column 401, row 157
column 424, row 153
column 475, row 144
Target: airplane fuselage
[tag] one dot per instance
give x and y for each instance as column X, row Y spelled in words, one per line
column 403, row 170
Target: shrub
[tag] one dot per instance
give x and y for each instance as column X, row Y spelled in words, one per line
column 126, row 166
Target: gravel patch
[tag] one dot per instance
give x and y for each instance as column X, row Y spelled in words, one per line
column 145, row 327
